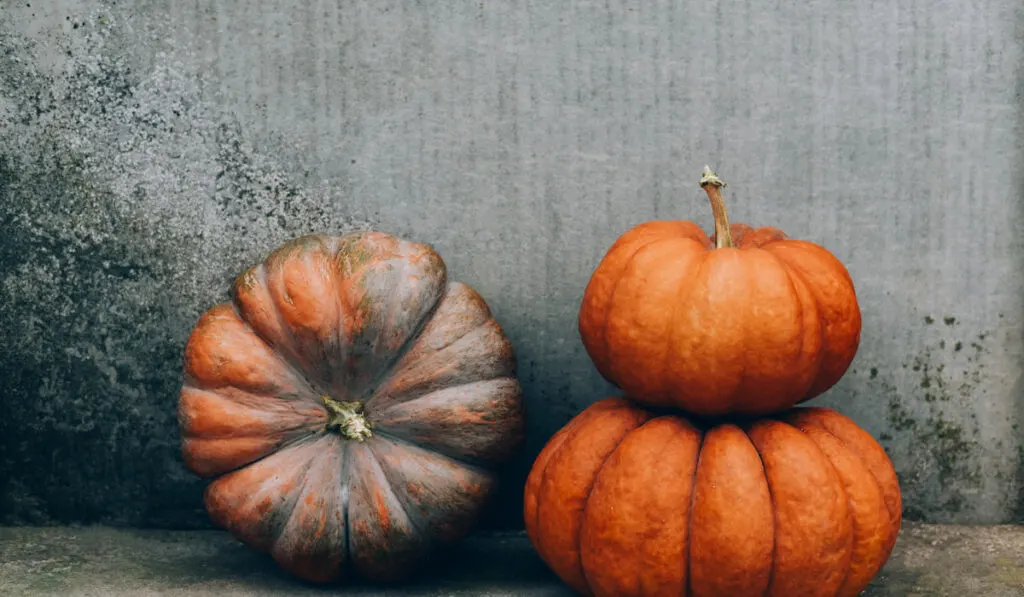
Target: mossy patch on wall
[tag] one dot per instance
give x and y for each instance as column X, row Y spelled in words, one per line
column 127, row 205
column 932, row 400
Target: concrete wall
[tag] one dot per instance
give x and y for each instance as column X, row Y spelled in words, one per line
column 150, row 150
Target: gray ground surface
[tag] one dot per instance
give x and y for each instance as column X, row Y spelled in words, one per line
column 932, row 561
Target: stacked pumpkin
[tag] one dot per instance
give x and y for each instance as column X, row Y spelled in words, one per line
column 708, row 480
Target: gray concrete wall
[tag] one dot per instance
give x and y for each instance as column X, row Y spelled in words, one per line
column 150, row 150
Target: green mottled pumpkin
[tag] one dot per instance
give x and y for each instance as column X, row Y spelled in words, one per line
column 349, row 403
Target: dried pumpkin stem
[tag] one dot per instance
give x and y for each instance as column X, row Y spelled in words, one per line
column 713, row 185
column 347, row 418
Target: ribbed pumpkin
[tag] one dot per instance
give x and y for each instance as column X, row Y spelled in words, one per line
column 749, row 322
column 625, row 503
column 349, row 402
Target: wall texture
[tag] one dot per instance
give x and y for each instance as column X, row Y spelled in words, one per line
column 151, row 150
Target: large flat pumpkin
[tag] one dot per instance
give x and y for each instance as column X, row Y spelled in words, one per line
column 349, row 403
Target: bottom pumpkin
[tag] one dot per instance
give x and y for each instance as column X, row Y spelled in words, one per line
column 623, row 502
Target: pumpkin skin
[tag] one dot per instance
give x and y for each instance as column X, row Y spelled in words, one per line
column 350, row 404
column 750, row 328
column 625, row 503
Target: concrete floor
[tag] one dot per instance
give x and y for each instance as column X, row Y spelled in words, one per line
column 929, row 561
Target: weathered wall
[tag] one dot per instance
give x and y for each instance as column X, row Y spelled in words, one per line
column 150, row 150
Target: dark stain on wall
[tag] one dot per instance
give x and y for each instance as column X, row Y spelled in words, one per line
column 127, row 206
column 933, row 429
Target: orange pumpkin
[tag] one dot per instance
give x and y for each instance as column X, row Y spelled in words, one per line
column 349, row 402
column 749, row 322
column 622, row 503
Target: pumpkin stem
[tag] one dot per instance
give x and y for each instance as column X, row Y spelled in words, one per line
column 347, row 418
column 713, row 185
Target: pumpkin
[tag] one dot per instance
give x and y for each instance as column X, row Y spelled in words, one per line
column 622, row 502
column 746, row 322
column 350, row 405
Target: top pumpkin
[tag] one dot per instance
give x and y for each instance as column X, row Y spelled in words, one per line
column 745, row 322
